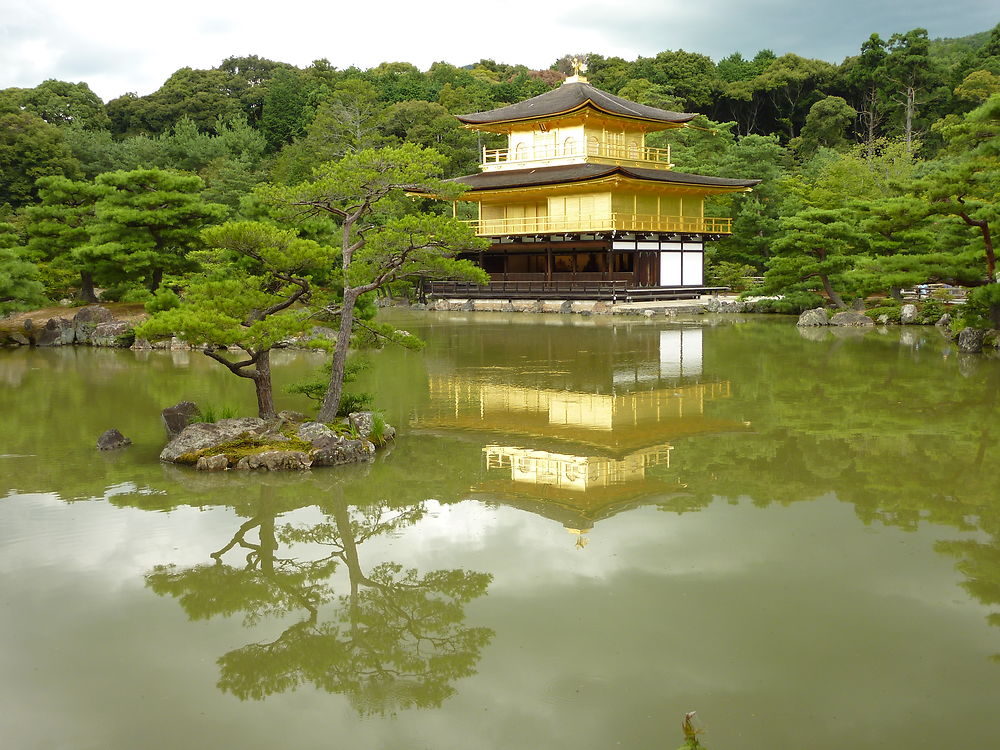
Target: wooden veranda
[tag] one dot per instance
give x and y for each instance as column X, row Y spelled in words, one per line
column 609, row 291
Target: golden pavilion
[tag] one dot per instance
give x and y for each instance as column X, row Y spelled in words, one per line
column 577, row 205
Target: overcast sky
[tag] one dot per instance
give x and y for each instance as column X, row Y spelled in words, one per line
column 122, row 45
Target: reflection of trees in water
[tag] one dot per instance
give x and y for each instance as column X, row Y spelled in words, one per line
column 979, row 562
column 907, row 439
column 394, row 639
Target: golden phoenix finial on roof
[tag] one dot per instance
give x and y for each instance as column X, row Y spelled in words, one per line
column 579, row 66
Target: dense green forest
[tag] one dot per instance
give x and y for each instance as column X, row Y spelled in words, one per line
column 878, row 173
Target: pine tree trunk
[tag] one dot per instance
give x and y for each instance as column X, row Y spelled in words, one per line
column 87, row 293
column 869, row 116
column 911, row 105
column 991, row 258
column 831, row 292
column 262, row 382
column 331, row 401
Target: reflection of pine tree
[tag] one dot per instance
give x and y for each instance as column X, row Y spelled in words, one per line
column 395, row 640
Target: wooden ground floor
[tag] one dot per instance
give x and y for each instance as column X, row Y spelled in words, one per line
column 591, row 263
column 609, row 291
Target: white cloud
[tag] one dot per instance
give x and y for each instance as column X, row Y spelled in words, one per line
column 119, row 46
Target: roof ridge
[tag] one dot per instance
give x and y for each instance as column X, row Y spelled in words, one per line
column 569, row 97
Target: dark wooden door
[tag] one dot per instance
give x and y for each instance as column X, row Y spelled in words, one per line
column 647, row 269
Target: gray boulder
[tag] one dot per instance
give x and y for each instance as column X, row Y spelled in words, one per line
column 87, row 319
column 321, row 332
column 716, row 305
column 315, row 433
column 276, row 461
column 361, row 422
column 311, row 339
column 93, row 314
column 57, row 332
column 467, row 306
column 815, row 317
column 851, row 318
column 198, row 436
column 287, row 415
column 111, row 440
column 115, row 333
column 212, row 463
column 338, row 451
column 970, row 340
column 908, row 315
column 178, row 416
column 566, row 307
column 944, row 321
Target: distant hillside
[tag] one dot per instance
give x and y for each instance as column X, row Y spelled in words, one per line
column 952, row 51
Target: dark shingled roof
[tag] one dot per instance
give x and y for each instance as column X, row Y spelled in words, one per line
column 569, row 97
column 501, row 180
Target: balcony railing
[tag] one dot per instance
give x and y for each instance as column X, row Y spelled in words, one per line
column 620, row 222
column 659, row 157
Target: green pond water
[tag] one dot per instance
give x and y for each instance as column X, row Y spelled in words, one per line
column 585, row 529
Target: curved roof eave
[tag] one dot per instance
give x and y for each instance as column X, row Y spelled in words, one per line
column 569, row 98
column 572, row 173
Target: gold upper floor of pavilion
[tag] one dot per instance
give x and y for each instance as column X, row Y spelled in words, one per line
column 572, row 151
column 574, row 124
column 577, row 161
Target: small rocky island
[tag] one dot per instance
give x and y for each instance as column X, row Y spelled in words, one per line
column 291, row 441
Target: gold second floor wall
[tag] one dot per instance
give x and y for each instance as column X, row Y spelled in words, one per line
column 576, row 141
column 591, row 211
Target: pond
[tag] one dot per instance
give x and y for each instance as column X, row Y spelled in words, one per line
column 586, row 528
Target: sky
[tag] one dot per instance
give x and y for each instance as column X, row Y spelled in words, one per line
column 120, row 46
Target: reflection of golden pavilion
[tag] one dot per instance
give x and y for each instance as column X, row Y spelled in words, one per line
column 574, row 455
column 609, row 422
column 573, row 473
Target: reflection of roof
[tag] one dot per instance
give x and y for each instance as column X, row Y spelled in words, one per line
column 577, row 510
column 570, row 97
column 513, row 178
column 614, row 443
